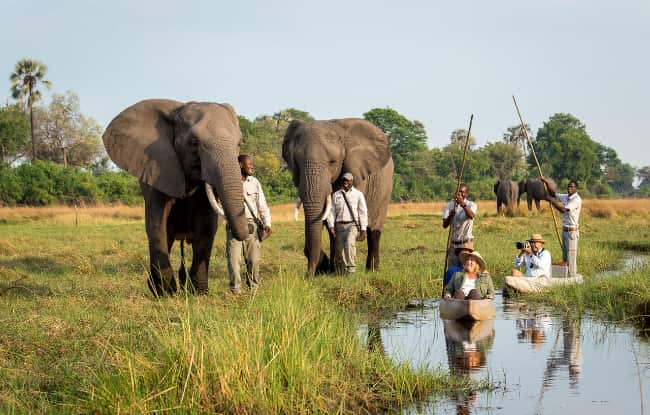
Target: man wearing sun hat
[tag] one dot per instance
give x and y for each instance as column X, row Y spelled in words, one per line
column 535, row 257
column 473, row 282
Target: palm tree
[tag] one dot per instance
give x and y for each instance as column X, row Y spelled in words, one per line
column 28, row 73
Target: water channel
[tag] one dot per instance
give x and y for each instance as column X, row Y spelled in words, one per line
column 540, row 361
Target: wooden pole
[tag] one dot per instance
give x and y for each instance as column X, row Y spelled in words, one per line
column 460, row 178
column 532, row 150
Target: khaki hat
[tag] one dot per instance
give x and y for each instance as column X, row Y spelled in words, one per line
column 348, row 176
column 536, row 237
column 466, row 246
column 476, row 256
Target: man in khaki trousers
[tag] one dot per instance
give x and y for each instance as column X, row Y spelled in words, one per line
column 347, row 220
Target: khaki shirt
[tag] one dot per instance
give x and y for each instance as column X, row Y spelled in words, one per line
column 255, row 196
column 461, row 225
column 341, row 213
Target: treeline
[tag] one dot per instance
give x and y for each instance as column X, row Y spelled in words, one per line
column 54, row 154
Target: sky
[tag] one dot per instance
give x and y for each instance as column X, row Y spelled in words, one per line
column 433, row 61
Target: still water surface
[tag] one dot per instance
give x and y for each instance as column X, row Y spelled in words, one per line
column 540, row 361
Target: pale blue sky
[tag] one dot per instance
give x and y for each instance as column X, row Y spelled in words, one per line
column 433, row 61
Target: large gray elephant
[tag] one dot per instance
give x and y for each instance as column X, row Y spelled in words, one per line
column 507, row 192
column 317, row 154
column 182, row 154
column 535, row 190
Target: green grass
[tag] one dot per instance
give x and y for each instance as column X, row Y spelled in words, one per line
column 81, row 334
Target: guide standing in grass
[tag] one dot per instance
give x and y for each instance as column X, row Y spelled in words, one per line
column 348, row 221
column 258, row 214
column 571, row 205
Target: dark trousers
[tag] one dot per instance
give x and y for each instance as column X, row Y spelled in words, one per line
column 473, row 295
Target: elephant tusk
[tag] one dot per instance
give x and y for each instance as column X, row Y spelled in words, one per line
column 328, row 208
column 216, row 206
column 296, row 209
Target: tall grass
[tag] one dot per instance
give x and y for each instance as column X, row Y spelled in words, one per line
column 81, row 333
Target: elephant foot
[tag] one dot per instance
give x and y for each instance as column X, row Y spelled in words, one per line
column 324, row 264
column 160, row 287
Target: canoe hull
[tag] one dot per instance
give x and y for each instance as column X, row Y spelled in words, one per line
column 453, row 309
column 536, row 284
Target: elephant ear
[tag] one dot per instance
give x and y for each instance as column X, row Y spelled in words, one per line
column 289, row 147
column 367, row 148
column 140, row 140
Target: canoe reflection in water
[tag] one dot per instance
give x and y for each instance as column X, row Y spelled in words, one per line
column 468, row 344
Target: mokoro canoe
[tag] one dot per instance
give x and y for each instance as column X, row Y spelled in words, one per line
column 453, row 309
column 536, row 284
column 468, row 331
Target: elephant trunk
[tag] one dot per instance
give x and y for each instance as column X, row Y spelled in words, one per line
column 220, row 169
column 313, row 234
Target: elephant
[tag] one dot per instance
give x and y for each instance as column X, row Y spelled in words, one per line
column 535, row 190
column 318, row 153
column 185, row 158
column 507, row 192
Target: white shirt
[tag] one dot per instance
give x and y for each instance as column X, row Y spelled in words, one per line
column 536, row 265
column 468, row 285
column 255, row 196
column 461, row 225
column 574, row 204
column 341, row 213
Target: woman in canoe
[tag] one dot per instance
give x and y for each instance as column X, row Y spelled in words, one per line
column 473, row 282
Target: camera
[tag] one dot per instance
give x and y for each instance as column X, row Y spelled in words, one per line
column 522, row 245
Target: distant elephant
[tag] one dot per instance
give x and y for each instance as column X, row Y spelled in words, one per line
column 318, row 153
column 180, row 152
column 507, row 192
column 535, row 191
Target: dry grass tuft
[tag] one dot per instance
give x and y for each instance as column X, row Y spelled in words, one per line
column 7, row 249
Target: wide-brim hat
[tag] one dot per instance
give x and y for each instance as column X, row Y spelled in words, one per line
column 348, row 176
column 536, row 237
column 476, row 256
column 466, row 246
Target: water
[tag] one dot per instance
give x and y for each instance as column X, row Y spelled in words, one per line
column 540, row 362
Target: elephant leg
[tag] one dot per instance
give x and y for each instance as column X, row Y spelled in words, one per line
column 204, row 227
column 537, row 204
column 530, row 203
column 157, row 208
column 372, row 261
column 498, row 206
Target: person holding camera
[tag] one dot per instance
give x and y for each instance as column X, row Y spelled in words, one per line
column 534, row 257
column 473, row 282
column 258, row 214
column 459, row 213
column 348, row 221
column 570, row 206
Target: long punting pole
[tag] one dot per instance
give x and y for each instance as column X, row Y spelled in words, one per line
column 460, row 177
column 532, row 150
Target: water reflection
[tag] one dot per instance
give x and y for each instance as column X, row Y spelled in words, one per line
column 467, row 344
column 540, row 361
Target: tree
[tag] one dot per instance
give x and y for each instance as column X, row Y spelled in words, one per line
column 506, row 159
column 516, row 134
column 459, row 136
column 284, row 117
column 14, row 132
column 27, row 75
column 566, row 151
column 65, row 135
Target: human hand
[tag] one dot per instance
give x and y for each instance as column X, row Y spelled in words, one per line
column 362, row 236
column 332, row 230
column 447, row 296
column 268, row 231
column 489, row 296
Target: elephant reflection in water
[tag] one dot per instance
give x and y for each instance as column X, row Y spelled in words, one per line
column 468, row 344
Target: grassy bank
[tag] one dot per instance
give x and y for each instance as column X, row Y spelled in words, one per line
column 81, row 333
